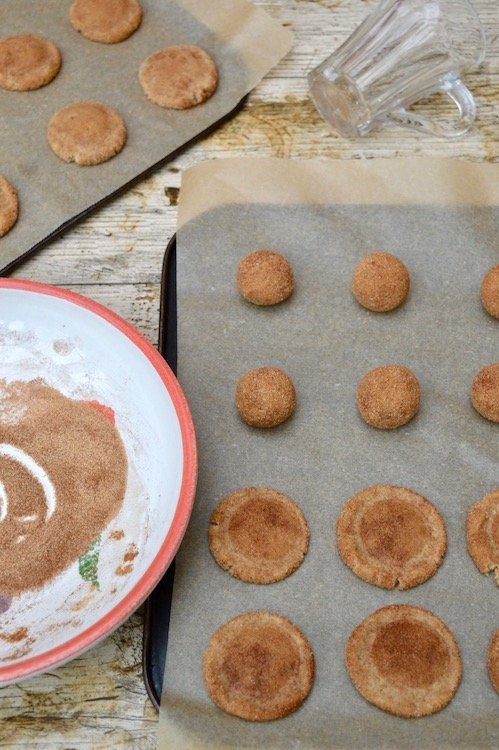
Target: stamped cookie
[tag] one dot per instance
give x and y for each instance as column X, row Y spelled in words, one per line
column 391, row 536
column 258, row 666
column 380, row 282
column 265, row 277
column 388, row 396
column 86, row 133
column 265, row 397
column 485, row 392
column 9, row 206
column 27, row 62
column 482, row 534
column 493, row 660
column 179, row 77
column 258, row 535
column 489, row 291
column 106, row 21
column 404, row 660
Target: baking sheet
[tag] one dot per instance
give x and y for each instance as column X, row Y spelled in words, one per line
column 447, row 236
column 243, row 40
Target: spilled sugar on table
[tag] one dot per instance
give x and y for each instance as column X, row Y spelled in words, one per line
column 115, row 257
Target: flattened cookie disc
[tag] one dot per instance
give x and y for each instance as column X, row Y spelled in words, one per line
column 380, row 282
column 265, row 277
column 258, row 666
column 489, row 291
column 391, row 536
column 27, row 62
column 388, row 396
column 86, row 133
column 179, row 77
column 258, row 535
column 485, row 392
column 106, row 21
column 493, row 660
column 265, row 397
column 404, row 660
column 9, row 206
column 482, row 534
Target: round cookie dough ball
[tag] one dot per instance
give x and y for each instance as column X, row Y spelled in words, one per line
column 380, row 282
column 106, row 21
column 27, row 62
column 493, row 660
column 179, row 77
column 265, row 277
column 489, row 291
column 9, row 206
column 388, row 396
column 485, row 392
column 265, row 397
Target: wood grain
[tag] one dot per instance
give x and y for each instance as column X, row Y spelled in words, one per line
column 115, row 256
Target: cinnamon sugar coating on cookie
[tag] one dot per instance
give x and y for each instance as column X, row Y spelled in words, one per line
column 388, row 396
column 489, row 291
column 265, row 277
column 9, row 206
column 485, row 392
column 27, row 62
column 391, row 536
column 482, row 534
column 258, row 535
column 179, row 77
column 265, row 397
column 106, row 21
column 493, row 660
column 258, row 666
column 380, row 282
column 404, row 660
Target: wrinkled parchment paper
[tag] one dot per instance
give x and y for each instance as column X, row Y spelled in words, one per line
column 441, row 218
column 243, row 40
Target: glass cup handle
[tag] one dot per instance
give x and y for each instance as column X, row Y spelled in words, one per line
column 462, row 98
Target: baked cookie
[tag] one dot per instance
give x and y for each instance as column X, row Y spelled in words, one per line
column 485, row 392
column 86, row 133
column 106, row 21
column 482, row 534
column 388, row 396
column 380, row 282
column 265, row 397
column 27, row 62
column 265, row 277
column 404, row 660
column 489, row 291
column 391, row 536
column 493, row 660
column 258, row 535
column 258, row 666
column 9, row 206
column 179, row 77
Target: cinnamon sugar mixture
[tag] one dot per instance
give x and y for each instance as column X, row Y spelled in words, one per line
column 63, row 471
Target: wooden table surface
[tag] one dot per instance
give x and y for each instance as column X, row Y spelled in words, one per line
column 99, row 700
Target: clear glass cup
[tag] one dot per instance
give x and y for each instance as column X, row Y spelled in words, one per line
column 404, row 51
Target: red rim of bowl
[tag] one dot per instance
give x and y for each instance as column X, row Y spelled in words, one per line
column 135, row 597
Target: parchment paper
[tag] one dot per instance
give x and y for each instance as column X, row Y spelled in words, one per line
column 243, row 40
column 441, row 218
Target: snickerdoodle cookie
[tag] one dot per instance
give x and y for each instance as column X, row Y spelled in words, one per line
column 482, row 534
column 391, row 536
column 179, row 77
column 388, row 396
column 265, row 277
column 485, row 392
column 493, row 660
column 380, row 282
column 258, row 666
column 9, row 206
column 27, row 62
column 86, row 133
column 489, row 291
column 265, row 397
column 258, row 535
column 404, row 660
column 106, row 21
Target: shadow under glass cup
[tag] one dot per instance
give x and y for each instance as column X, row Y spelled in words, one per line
column 404, row 51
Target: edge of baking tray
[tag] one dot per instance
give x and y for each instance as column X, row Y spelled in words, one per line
column 4, row 270
column 158, row 605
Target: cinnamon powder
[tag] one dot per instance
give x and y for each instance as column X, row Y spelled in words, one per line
column 63, row 470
